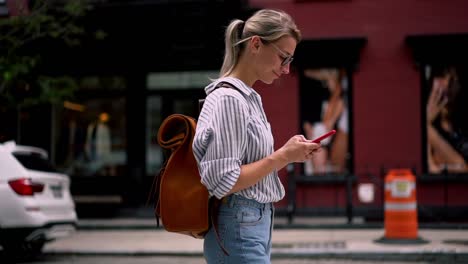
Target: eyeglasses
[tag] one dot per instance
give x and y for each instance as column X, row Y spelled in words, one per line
column 285, row 56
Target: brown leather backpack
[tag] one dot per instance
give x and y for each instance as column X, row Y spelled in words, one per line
column 182, row 201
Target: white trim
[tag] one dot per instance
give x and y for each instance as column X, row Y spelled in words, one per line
column 401, row 206
column 179, row 80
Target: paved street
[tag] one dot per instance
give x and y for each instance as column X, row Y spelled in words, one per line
column 286, row 242
column 118, row 241
column 53, row 259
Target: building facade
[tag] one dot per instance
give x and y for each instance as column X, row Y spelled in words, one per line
column 380, row 58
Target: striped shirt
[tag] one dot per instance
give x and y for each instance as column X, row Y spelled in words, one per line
column 233, row 130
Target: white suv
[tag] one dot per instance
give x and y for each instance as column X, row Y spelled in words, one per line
column 35, row 201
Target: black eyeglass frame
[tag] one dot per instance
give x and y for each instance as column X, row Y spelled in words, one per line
column 286, row 57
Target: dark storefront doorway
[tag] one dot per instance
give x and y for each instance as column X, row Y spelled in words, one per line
column 164, row 97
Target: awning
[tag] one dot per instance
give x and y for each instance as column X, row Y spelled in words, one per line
column 329, row 52
column 439, row 49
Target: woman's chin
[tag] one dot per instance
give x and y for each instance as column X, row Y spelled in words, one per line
column 269, row 80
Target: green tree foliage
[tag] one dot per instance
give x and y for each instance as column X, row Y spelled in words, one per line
column 21, row 83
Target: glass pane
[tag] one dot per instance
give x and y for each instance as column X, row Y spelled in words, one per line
column 101, row 83
column 154, row 157
column 446, row 115
column 92, row 138
column 324, row 107
column 185, row 106
column 34, row 161
column 154, row 114
column 179, row 80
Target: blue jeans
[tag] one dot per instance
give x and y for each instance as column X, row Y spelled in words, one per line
column 244, row 227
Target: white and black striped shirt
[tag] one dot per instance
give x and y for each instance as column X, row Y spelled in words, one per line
column 232, row 130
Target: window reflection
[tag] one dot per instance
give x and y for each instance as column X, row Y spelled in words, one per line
column 324, row 106
column 92, row 138
column 153, row 120
column 446, row 112
column 154, row 114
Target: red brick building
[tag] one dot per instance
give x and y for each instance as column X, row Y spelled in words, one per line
column 401, row 37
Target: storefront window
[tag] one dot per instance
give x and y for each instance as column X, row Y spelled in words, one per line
column 324, row 107
column 446, row 119
column 91, row 138
column 170, row 92
column 154, row 157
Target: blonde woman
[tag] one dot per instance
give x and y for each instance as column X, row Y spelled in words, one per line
column 233, row 143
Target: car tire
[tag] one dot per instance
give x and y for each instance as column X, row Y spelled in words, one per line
column 23, row 250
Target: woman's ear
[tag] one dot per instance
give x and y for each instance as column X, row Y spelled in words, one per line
column 255, row 43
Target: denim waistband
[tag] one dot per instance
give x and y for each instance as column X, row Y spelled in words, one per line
column 232, row 200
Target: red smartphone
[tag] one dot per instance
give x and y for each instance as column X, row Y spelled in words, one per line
column 324, row 136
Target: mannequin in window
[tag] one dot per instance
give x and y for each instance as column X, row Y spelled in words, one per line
column 98, row 141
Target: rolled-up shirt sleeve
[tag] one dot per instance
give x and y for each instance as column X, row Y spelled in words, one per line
column 225, row 139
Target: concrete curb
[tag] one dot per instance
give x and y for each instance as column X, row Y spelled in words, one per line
column 445, row 246
column 441, row 257
column 87, row 226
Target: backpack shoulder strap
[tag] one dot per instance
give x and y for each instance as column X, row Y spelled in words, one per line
column 222, row 84
column 225, row 84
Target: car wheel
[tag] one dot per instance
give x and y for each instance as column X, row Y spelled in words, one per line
column 23, row 249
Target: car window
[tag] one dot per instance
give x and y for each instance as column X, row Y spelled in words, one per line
column 34, row 161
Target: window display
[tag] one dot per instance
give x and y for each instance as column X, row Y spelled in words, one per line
column 92, row 137
column 446, row 119
column 324, row 107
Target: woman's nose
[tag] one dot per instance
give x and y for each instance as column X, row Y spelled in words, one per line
column 285, row 69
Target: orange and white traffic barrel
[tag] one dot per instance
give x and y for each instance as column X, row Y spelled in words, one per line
column 400, row 209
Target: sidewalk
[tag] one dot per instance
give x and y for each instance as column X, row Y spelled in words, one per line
column 357, row 243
